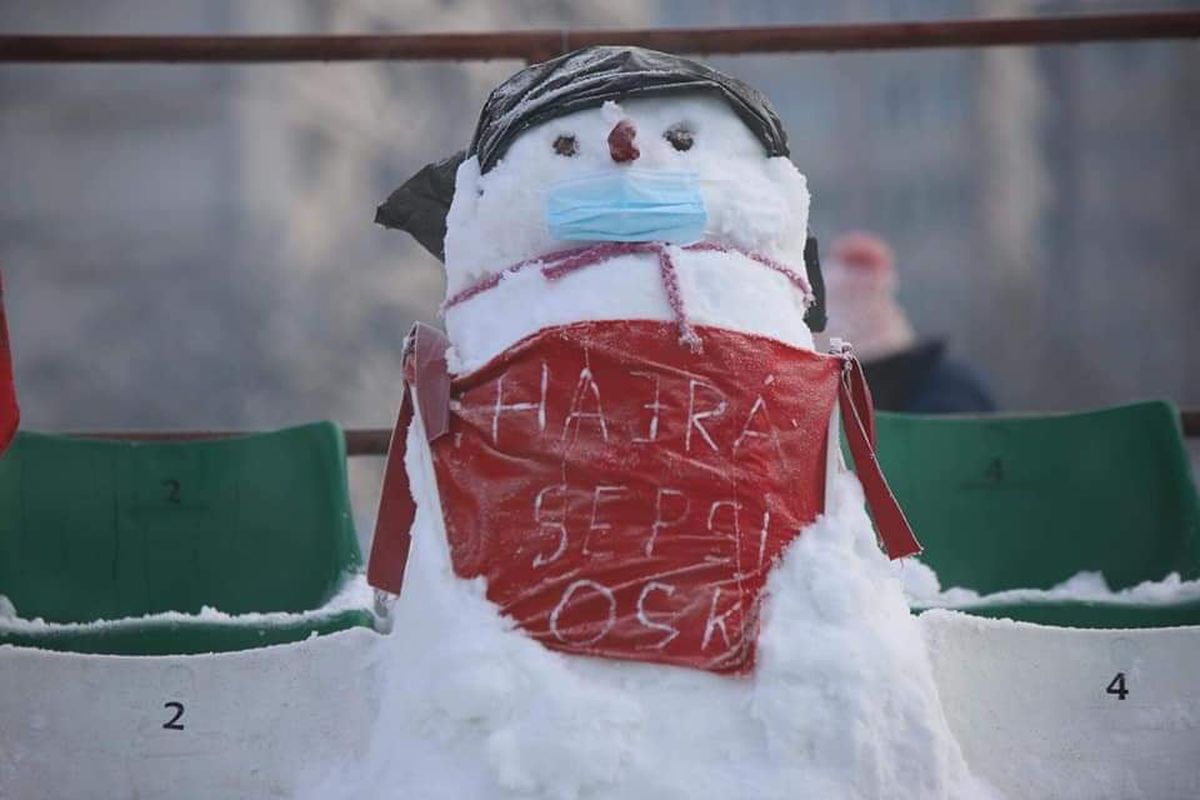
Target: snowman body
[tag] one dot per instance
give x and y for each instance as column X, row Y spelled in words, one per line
column 838, row 700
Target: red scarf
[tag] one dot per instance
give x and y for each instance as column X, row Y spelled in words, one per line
column 626, row 496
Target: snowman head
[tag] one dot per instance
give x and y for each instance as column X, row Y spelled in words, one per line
column 609, row 144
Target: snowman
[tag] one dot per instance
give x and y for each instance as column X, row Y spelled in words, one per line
column 624, row 556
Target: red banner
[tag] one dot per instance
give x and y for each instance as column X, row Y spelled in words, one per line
column 624, row 496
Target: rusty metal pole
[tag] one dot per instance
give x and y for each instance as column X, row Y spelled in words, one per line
column 359, row 441
column 375, row 441
column 1190, row 417
column 541, row 44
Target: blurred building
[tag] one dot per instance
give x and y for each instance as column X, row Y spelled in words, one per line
column 1037, row 198
column 193, row 245
column 122, row 232
column 1122, row 266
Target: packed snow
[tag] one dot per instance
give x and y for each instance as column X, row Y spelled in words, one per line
column 353, row 594
column 841, row 702
column 924, row 590
column 718, row 289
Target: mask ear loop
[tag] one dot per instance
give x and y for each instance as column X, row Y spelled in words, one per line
column 814, row 317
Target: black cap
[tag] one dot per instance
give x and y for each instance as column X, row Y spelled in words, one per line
column 592, row 76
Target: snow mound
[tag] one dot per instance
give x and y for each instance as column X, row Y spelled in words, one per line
column 725, row 290
column 923, row 589
column 353, row 594
column 841, row 703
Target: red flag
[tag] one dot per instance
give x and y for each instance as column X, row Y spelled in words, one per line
column 10, row 414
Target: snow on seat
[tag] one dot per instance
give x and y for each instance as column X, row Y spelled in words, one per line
column 1028, row 502
column 180, row 619
column 157, row 548
column 1071, row 542
column 259, row 723
column 1070, row 713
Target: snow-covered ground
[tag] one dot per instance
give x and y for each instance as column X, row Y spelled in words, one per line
column 841, row 701
column 353, row 594
column 923, row 590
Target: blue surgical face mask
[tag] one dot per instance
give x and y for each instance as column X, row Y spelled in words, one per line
column 630, row 205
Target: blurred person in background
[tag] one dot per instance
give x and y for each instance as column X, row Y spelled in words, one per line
column 905, row 373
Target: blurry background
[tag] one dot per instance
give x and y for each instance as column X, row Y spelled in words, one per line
column 192, row 246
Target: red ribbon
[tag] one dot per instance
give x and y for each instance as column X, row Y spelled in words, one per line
column 397, row 510
column 425, row 369
column 858, row 421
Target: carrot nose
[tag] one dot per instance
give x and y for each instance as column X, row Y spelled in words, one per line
column 620, row 142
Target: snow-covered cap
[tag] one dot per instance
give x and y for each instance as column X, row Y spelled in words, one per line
column 861, row 284
column 862, row 250
column 585, row 78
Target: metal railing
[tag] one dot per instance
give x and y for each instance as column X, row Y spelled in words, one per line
column 374, row 441
column 536, row 45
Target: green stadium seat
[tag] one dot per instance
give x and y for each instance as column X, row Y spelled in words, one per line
column 117, row 530
column 1006, row 502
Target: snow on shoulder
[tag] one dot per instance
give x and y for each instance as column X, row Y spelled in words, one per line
column 923, row 589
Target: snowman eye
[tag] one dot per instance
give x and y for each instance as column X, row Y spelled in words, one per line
column 565, row 145
column 680, row 137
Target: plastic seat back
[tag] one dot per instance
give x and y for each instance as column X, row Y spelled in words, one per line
column 1005, row 502
column 103, row 530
